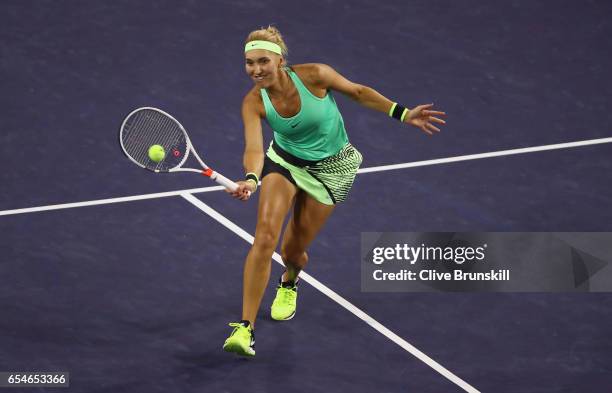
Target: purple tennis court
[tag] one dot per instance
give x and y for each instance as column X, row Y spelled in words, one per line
column 127, row 279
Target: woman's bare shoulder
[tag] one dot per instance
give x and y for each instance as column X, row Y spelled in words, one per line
column 253, row 101
column 310, row 72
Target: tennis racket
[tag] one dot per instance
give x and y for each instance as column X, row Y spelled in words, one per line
column 146, row 127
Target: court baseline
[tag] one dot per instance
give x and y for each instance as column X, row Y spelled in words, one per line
column 361, row 171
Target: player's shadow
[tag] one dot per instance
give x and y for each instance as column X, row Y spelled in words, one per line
column 208, row 360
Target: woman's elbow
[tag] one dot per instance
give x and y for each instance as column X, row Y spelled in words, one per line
column 358, row 92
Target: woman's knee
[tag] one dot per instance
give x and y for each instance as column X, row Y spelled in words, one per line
column 266, row 239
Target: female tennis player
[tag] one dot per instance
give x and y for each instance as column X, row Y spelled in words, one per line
column 310, row 166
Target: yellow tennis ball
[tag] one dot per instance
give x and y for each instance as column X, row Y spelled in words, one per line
column 156, row 153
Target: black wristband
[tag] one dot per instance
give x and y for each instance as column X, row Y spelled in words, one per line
column 398, row 111
column 252, row 176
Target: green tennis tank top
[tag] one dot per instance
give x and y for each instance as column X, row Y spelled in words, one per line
column 315, row 132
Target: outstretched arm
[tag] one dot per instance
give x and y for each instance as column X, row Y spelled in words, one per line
column 420, row 116
column 253, row 157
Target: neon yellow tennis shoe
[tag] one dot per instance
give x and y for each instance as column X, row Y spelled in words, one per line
column 285, row 302
column 242, row 339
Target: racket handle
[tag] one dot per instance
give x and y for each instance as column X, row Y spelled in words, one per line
column 219, row 178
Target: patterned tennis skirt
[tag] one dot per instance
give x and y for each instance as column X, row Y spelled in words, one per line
column 328, row 180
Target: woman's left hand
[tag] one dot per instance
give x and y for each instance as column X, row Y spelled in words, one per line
column 422, row 117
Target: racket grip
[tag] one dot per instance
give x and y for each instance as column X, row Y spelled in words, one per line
column 219, row 178
column 227, row 183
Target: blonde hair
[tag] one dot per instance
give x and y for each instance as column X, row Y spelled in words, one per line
column 270, row 34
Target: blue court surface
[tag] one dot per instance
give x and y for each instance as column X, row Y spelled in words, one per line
column 127, row 279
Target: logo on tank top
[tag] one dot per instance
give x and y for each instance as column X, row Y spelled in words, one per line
column 296, row 124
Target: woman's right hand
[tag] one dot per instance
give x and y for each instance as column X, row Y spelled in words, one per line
column 245, row 189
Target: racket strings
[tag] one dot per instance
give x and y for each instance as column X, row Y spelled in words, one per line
column 136, row 139
column 157, row 129
column 147, row 127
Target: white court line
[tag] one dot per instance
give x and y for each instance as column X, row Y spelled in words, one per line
column 107, row 201
column 363, row 170
column 485, row 155
column 338, row 299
